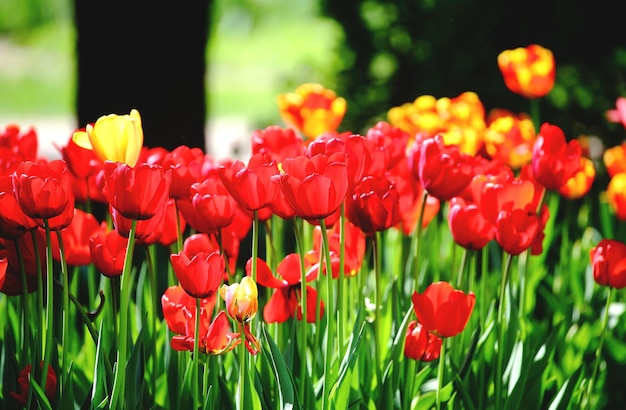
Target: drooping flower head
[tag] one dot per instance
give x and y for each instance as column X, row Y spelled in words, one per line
column 528, row 71
column 116, row 138
column 312, row 109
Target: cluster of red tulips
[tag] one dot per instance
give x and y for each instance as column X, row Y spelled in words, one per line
column 489, row 175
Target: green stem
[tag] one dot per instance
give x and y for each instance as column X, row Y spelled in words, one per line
column 377, row 254
column 464, row 263
column 194, row 378
column 441, row 374
column 49, row 329
column 501, row 331
column 255, row 244
column 66, row 309
column 26, row 334
column 534, row 113
column 330, row 308
column 119, row 381
column 341, row 280
column 596, row 366
column 242, row 370
column 302, row 329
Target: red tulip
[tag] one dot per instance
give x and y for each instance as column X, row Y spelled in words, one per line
column 443, row 310
column 554, row 160
column 23, row 381
column 252, row 186
column 81, row 162
column 386, row 145
column 43, row 189
column 355, row 147
column 517, row 230
column 354, row 252
column 16, row 146
column 420, row 344
column 186, row 165
column 179, row 311
column 209, row 207
column 139, row 192
column 442, row 170
column 285, row 301
column 608, row 260
column 277, row 143
column 202, row 242
column 13, row 284
column 200, row 275
column 216, row 340
column 13, row 221
column 373, row 205
column 108, row 252
column 468, row 226
column 76, row 238
column 315, row 187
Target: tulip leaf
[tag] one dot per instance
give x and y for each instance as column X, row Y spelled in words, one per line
column 99, row 392
column 135, row 373
column 341, row 391
column 40, row 395
column 286, row 385
column 563, row 398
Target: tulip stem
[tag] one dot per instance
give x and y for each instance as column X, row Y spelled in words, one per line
column 501, row 330
column 242, row 369
column 596, row 366
column 303, row 303
column 119, row 381
column 341, row 279
column 534, row 113
column 441, row 372
column 330, row 308
column 194, row 378
column 66, row 309
column 377, row 254
column 49, row 305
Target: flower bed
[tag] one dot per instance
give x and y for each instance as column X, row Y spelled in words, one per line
column 444, row 258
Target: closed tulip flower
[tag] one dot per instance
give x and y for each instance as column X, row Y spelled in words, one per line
column 241, row 299
column 608, row 260
column 443, row 310
column 442, row 170
column 374, row 205
column 108, row 252
column 116, row 138
column 312, row 109
column 251, row 185
column 528, row 71
column 616, row 195
column 200, row 275
column 209, row 207
column 315, row 187
column 139, row 192
column 468, row 226
column 43, row 189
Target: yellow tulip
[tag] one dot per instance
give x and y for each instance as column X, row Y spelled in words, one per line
column 241, row 299
column 113, row 137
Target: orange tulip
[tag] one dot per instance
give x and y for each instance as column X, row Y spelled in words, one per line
column 528, row 71
column 510, row 138
column 578, row 185
column 312, row 109
column 615, row 159
column 616, row 195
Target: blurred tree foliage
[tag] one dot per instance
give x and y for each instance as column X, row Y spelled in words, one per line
column 19, row 17
column 395, row 51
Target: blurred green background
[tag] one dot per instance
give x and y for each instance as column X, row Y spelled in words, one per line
column 377, row 54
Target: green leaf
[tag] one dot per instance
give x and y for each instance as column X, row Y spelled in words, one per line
column 340, row 392
column 40, row 395
column 563, row 398
column 286, row 388
column 100, row 390
column 135, row 374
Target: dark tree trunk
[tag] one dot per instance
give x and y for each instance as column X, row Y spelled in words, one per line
column 148, row 55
